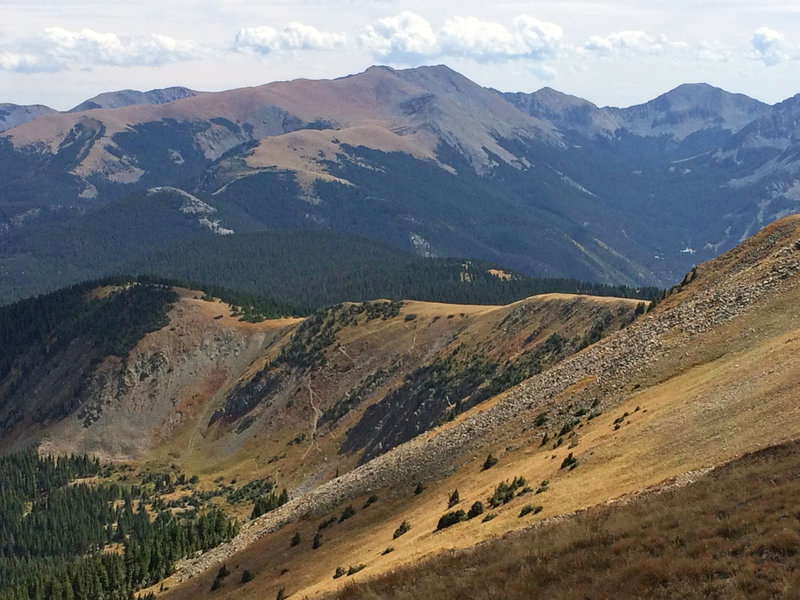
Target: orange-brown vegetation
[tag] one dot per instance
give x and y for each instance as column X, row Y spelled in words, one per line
column 735, row 533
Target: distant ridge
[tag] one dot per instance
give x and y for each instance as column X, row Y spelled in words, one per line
column 423, row 160
column 12, row 115
column 123, row 98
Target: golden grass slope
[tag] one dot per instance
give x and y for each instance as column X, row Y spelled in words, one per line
column 397, row 347
column 732, row 534
column 710, row 376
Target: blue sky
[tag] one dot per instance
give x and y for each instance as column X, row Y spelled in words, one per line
column 615, row 52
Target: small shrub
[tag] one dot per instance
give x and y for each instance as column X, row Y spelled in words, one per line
column 489, row 462
column 223, row 572
column 348, row 512
column 355, row 569
column 419, row 489
column 340, row 572
column 281, row 594
column 567, row 427
column 317, row 541
column 451, row 518
column 570, row 461
column 545, row 439
column 404, row 527
column 410, row 317
column 387, row 551
column 326, row 523
column 543, row 487
column 541, row 419
column 505, row 492
column 371, row 500
column 529, row 508
column 475, row 510
column 217, row 584
column 525, row 490
column 454, row 499
column 295, row 539
column 488, row 517
column 246, row 576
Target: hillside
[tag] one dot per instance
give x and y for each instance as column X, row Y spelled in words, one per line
column 379, row 421
column 724, row 535
column 216, row 388
column 423, row 160
column 166, row 232
column 705, row 378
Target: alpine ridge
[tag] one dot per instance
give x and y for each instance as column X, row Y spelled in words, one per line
column 595, row 184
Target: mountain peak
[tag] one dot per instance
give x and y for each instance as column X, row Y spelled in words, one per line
column 129, row 97
column 691, row 107
column 12, row 115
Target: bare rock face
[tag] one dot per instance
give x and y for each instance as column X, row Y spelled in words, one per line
column 165, row 383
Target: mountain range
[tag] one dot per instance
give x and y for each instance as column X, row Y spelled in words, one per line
column 654, row 447
column 423, row 159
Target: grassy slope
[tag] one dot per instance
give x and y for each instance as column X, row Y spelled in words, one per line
column 732, row 391
column 732, row 534
column 396, row 345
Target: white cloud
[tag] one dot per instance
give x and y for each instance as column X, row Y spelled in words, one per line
column 629, row 44
column 402, row 37
column 295, row 36
column 484, row 40
column 57, row 49
column 542, row 38
column 769, row 46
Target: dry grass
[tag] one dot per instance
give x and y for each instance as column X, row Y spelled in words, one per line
column 733, row 534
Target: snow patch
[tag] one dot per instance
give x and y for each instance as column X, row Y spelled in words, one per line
column 20, row 218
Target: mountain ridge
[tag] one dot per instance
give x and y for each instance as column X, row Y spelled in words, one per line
column 431, row 163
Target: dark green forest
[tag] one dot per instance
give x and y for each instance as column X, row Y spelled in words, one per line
column 63, row 539
column 300, row 272
column 47, row 324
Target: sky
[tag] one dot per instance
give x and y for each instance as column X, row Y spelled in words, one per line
column 611, row 52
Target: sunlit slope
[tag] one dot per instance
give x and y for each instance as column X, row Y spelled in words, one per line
column 711, row 374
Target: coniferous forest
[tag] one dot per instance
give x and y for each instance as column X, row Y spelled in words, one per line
column 62, row 538
column 299, row 272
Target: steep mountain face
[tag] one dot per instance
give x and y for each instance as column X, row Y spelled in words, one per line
column 705, row 378
column 690, row 108
column 134, row 97
column 350, row 382
column 12, row 115
column 428, row 162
